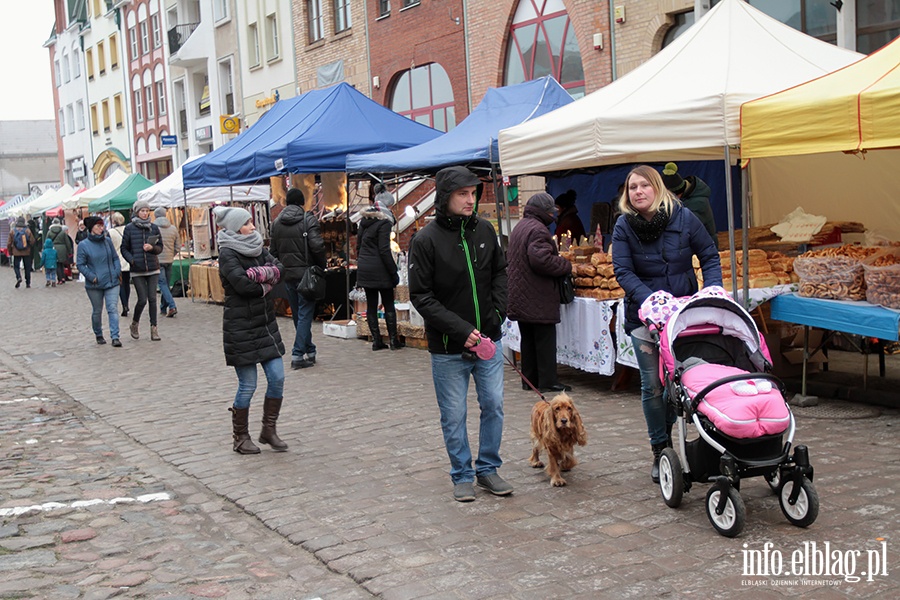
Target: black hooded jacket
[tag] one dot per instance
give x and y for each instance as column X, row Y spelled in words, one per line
column 376, row 267
column 457, row 272
column 287, row 243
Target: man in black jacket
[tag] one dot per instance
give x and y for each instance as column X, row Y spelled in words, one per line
column 289, row 246
column 457, row 282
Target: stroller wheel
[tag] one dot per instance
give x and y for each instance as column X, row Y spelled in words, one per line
column 731, row 521
column 774, row 480
column 671, row 478
column 805, row 510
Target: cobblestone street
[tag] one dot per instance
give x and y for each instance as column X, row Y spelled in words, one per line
column 124, row 456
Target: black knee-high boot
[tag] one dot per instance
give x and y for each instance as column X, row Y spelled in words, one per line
column 390, row 320
column 375, row 330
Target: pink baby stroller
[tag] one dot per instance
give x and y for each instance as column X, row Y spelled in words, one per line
column 714, row 367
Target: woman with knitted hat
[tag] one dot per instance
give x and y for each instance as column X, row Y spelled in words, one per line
column 141, row 245
column 249, row 329
column 98, row 262
column 115, row 234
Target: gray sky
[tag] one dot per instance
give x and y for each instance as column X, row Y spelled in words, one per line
column 25, row 68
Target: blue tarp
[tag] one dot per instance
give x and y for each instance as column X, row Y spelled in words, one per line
column 474, row 140
column 312, row 133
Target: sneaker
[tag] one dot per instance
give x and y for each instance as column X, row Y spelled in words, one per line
column 301, row 364
column 311, row 358
column 18, row 283
column 125, row 312
column 134, row 330
column 100, row 340
column 464, row 491
column 171, row 312
column 53, row 284
column 495, row 484
column 116, row 343
column 47, row 284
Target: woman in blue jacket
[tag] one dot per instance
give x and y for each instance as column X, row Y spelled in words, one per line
column 654, row 241
column 98, row 261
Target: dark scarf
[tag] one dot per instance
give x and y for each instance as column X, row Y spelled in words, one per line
column 649, row 231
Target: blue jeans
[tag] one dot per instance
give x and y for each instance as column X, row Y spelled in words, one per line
column 165, row 275
column 274, row 370
column 302, row 311
column 98, row 297
column 451, row 384
column 657, row 413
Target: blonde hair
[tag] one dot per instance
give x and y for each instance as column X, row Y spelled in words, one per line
column 663, row 196
column 118, row 219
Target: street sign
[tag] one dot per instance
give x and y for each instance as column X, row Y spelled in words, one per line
column 229, row 124
column 168, row 140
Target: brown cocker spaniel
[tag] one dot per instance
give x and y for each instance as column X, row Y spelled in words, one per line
column 556, row 427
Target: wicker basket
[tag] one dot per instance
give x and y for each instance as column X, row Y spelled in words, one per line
column 401, row 293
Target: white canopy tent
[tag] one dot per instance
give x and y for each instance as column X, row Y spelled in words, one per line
column 682, row 104
column 170, row 192
column 47, row 201
column 98, row 191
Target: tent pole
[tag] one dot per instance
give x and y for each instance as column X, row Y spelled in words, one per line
column 729, row 200
column 190, row 236
column 497, row 187
column 347, row 250
column 745, row 231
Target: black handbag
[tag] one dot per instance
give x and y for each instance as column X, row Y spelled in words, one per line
column 566, row 289
column 312, row 284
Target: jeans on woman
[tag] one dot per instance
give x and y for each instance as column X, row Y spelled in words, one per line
column 657, row 413
column 274, row 370
column 145, row 286
column 451, row 374
column 110, row 296
column 302, row 312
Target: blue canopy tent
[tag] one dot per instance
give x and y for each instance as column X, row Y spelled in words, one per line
column 312, row 133
column 474, row 140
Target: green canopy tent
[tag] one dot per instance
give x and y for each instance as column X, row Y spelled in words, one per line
column 123, row 197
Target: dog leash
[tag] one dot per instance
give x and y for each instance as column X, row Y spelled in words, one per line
column 525, row 379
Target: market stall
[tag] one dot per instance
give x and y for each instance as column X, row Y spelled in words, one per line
column 122, row 197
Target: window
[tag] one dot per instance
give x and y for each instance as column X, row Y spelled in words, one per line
column 157, row 35
column 76, row 63
column 341, row 15
column 89, row 61
column 57, row 73
column 65, row 67
column 682, row 22
column 101, row 57
column 384, row 7
column 138, row 106
column 877, row 23
column 227, row 85
column 272, row 48
column 119, row 112
column 95, row 123
column 70, row 119
column 542, row 42
column 314, row 12
column 62, row 122
column 424, row 94
column 161, row 97
column 79, row 115
column 105, row 109
column 254, row 45
column 145, row 38
column 114, row 51
column 132, row 40
column 148, row 97
column 813, row 17
column 220, row 9
column 407, row 3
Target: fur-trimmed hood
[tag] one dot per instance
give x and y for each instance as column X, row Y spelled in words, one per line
column 374, row 213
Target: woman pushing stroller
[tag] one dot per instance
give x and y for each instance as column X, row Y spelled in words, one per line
column 654, row 241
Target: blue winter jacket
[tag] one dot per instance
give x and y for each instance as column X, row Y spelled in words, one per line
column 49, row 255
column 98, row 261
column 642, row 268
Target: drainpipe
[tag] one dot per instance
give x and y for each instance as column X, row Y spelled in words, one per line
column 368, row 71
column 468, row 66
column 612, row 39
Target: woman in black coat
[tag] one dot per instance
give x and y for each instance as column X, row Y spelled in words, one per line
column 377, row 271
column 141, row 247
column 534, row 267
column 249, row 330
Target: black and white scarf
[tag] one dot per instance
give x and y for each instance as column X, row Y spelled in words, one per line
column 649, row 231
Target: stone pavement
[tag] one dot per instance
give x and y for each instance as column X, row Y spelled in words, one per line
column 361, row 504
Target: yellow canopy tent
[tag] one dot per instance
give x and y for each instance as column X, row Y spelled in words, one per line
column 830, row 145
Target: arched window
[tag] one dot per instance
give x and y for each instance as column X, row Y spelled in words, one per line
column 424, row 94
column 542, row 42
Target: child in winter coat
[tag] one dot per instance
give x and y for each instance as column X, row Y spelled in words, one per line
column 49, row 259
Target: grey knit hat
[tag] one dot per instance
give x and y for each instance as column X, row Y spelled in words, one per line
column 542, row 201
column 231, row 218
column 159, row 212
column 139, row 205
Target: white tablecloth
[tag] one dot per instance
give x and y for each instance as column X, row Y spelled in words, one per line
column 583, row 340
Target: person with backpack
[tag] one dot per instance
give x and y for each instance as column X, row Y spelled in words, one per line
column 19, row 246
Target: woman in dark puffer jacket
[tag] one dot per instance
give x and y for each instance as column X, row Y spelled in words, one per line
column 377, row 271
column 534, row 267
column 249, row 330
column 141, row 247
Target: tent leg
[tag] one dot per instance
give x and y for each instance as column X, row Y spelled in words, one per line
column 729, row 204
